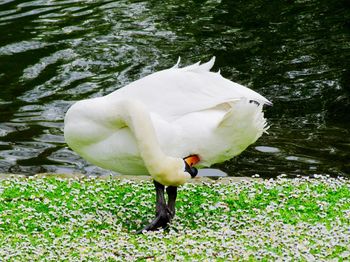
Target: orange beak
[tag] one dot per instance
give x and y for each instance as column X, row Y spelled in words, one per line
column 192, row 160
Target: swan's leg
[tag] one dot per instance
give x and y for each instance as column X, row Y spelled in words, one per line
column 172, row 193
column 163, row 215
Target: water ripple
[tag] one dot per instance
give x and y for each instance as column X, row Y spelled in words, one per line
column 53, row 53
column 20, row 47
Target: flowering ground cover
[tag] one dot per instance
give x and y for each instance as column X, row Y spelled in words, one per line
column 61, row 219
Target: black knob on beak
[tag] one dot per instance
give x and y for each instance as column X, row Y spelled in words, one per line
column 191, row 170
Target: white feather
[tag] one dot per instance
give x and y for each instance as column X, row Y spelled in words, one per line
column 149, row 125
column 177, row 63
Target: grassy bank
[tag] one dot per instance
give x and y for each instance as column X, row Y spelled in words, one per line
column 94, row 219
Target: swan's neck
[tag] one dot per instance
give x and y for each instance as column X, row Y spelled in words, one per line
column 139, row 121
column 164, row 169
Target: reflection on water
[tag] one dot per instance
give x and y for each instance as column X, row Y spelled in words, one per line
column 53, row 53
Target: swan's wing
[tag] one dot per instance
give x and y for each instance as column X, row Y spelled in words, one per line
column 174, row 92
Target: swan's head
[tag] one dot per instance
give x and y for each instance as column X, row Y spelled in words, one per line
column 190, row 161
column 175, row 171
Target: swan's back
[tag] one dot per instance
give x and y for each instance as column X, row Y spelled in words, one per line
column 175, row 92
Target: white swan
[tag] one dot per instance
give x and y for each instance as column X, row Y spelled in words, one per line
column 151, row 125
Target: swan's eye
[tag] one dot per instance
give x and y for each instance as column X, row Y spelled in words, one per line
column 192, row 160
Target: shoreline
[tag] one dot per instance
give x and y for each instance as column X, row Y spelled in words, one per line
column 198, row 179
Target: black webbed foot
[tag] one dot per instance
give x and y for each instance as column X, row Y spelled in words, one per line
column 161, row 220
column 164, row 212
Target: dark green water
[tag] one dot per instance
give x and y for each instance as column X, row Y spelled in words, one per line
column 296, row 53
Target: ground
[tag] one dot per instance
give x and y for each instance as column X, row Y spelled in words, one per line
column 83, row 218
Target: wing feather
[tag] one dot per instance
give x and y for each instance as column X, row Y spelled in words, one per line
column 195, row 86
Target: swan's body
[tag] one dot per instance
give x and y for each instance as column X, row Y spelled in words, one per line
column 150, row 125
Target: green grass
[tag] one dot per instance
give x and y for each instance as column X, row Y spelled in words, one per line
column 93, row 219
